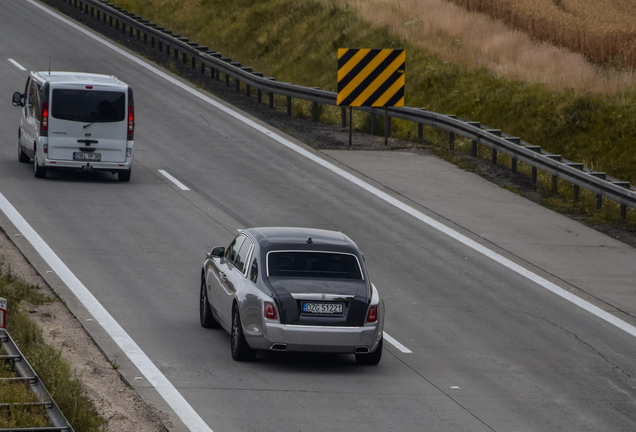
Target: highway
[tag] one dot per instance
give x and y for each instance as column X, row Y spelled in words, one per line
column 480, row 285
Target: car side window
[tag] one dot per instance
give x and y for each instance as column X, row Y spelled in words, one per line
column 233, row 249
column 254, row 271
column 242, row 255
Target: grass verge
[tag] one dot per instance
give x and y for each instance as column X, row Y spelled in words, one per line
column 64, row 385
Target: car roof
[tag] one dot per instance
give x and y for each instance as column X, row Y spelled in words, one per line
column 300, row 238
column 79, row 78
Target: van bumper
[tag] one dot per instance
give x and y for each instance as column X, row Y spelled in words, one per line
column 85, row 165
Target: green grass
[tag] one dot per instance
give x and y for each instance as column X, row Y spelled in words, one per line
column 64, row 385
column 297, row 41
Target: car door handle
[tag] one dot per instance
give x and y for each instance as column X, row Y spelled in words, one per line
column 222, row 276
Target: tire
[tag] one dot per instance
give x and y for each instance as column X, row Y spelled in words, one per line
column 22, row 157
column 241, row 351
column 373, row 358
column 205, row 312
column 123, row 175
column 38, row 171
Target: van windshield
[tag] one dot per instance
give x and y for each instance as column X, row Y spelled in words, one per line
column 90, row 106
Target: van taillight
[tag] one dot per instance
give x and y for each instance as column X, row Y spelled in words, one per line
column 131, row 122
column 44, row 124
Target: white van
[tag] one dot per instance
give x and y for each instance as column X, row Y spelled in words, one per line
column 76, row 120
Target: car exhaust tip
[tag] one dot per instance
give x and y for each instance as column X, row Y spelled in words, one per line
column 278, row 347
column 361, row 350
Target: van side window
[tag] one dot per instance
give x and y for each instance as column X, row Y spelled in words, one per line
column 33, row 100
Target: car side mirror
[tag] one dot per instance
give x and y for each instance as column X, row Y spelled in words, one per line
column 218, row 251
column 17, row 99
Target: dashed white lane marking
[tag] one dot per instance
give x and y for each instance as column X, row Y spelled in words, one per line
column 175, row 181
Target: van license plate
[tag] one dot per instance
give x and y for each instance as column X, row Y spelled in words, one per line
column 87, row 156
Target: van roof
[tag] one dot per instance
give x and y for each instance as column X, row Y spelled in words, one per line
column 81, row 78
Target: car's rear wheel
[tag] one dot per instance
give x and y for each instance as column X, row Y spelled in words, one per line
column 205, row 312
column 241, row 351
column 372, row 358
column 38, row 171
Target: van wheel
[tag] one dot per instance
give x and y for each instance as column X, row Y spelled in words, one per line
column 38, row 171
column 123, row 175
column 22, row 157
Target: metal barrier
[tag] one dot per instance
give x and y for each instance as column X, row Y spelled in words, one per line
column 25, row 373
column 518, row 150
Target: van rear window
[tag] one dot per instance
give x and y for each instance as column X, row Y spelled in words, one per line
column 88, row 105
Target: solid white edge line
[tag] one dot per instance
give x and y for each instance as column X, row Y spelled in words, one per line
column 174, row 180
column 18, row 65
column 154, row 376
column 396, row 344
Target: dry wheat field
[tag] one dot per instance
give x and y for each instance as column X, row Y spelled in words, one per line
column 586, row 45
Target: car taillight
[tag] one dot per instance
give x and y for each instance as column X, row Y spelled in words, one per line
column 44, row 124
column 372, row 316
column 131, row 122
column 269, row 311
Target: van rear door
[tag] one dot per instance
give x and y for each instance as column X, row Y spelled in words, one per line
column 88, row 123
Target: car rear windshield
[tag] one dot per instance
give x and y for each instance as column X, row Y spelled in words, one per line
column 90, row 106
column 311, row 264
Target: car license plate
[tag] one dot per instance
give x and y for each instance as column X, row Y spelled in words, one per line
column 87, row 156
column 323, row 308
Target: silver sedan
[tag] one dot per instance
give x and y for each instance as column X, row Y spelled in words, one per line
column 292, row 289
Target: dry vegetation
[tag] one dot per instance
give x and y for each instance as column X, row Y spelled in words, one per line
column 523, row 42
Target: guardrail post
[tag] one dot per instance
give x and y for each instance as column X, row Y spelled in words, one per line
column 555, row 183
column 259, row 95
column 420, row 131
column 237, row 84
column 493, row 157
column 451, row 141
column 534, row 176
column 271, row 100
column 623, row 212
column 575, row 196
column 372, row 122
column 343, row 117
column 513, row 166
column 227, row 80
column 289, row 105
column 474, row 148
column 316, row 115
column 599, row 201
column 248, row 91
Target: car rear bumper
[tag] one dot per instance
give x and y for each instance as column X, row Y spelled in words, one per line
column 283, row 337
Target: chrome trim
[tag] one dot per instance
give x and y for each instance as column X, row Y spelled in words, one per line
column 322, row 297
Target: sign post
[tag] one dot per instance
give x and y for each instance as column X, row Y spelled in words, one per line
column 3, row 313
column 371, row 78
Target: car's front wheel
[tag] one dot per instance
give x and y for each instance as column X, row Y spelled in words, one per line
column 241, row 351
column 372, row 358
column 205, row 312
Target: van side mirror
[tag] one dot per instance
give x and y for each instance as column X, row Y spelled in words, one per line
column 17, row 99
column 218, row 251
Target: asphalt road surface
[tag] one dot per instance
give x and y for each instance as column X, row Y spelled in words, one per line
column 502, row 316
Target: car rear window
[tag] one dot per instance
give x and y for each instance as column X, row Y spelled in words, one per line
column 90, row 106
column 309, row 264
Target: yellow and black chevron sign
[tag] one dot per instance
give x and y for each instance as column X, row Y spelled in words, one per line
column 371, row 77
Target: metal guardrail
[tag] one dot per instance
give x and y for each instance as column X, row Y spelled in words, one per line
column 26, row 373
column 560, row 168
